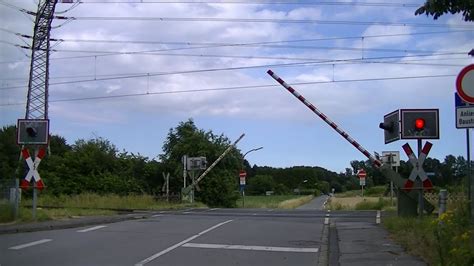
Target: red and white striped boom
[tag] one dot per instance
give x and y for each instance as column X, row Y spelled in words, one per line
column 300, row 97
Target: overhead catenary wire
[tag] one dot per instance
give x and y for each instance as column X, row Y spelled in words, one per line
column 183, row 72
column 230, row 88
column 266, row 20
column 214, row 45
column 300, row 3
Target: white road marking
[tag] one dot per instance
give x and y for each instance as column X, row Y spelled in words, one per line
column 254, row 213
column 42, row 241
column 145, row 261
column 326, row 220
column 329, row 210
column 157, row 215
column 91, row 229
column 377, row 218
column 213, row 209
column 257, row 248
column 187, row 212
column 327, row 214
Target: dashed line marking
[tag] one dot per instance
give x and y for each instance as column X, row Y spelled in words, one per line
column 157, row 215
column 42, row 241
column 377, row 218
column 91, row 229
column 255, row 248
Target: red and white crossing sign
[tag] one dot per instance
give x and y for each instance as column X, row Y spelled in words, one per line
column 418, row 166
column 242, row 176
column 33, row 169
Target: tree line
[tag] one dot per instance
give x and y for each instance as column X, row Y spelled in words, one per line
column 96, row 165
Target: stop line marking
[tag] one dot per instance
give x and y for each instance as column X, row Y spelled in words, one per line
column 42, row 241
column 91, row 229
column 147, row 260
column 253, row 248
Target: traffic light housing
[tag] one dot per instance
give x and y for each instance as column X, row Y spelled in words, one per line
column 420, row 123
column 391, row 127
column 32, row 131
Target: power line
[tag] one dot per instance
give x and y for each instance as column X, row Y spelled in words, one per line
column 301, row 64
column 214, row 45
column 231, row 88
column 263, row 20
column 223, row 69
column 302, row 3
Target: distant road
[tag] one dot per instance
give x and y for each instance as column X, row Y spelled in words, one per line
column 316, row 204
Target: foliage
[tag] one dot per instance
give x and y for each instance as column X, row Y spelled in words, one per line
column 259, row 184
column 6, row 212
column 440, row 241
column 219, row 185
column 439, row 8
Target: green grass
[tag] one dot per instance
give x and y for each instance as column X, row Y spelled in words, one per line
column 95, row 201
column 439, row 241
column 6, row 213
column 381, row 204
column 274, row 201
column 85, row 205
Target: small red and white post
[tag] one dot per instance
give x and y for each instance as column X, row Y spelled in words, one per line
column 362, row 174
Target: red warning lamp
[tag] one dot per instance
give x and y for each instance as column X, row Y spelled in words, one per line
column 419, row 124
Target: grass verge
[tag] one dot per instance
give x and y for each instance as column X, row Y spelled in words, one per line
column 85, row 205
column 276, row 201
column 439, row 241
column 360, row 203
column 95, row 201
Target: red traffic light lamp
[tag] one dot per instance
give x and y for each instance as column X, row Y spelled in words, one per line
column 419, row 124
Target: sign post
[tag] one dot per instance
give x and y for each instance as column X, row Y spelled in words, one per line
column 242, row 176
column 465, row 119
column 362, row 175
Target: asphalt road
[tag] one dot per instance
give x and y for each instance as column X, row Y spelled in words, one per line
column 188, row 237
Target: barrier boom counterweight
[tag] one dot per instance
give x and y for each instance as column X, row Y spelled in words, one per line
column 315, row 110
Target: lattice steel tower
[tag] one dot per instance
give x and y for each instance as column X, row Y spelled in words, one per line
column 37, row 101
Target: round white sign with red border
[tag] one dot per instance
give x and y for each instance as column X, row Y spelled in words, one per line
column 465, row 84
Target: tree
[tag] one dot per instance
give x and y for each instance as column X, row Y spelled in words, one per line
column 219, row 186
column 9, row 152
column 437, row 8
column 259, row 184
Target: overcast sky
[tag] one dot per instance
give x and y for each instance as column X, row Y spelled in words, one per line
column 208, row 61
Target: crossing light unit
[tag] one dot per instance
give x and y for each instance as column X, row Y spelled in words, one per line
column 420, row 123
column 32, row 131
column 391, row 127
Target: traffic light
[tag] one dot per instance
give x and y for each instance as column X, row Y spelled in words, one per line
column 391, row 127
column 33, row 131
column 420, row 123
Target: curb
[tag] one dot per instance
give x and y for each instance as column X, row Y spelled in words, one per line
column 65, row 224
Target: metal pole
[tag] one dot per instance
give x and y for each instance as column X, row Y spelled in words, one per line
column 185, row 159
column 469, row 176
column 420, row 195
column 192, row 188
column 443, row 194
column 167, row 186
column 17, row 198
column 35, row 199
column 243, row 198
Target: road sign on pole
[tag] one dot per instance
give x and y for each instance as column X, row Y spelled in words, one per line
column 418, row 167
column 465, row 83
column 33, row 169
